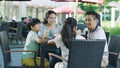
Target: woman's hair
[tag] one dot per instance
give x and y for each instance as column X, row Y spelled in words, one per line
column 67, row 32
column 33, row 22
column 47, row 15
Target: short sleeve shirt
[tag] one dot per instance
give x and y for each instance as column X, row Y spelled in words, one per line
column 99, row 34
column 30, row 44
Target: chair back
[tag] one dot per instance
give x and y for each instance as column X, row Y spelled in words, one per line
column 19, row 31
column 5, row 26
column 5, row 47
column 14, row 25
column 85, row 53
column 45, row 49
column 16, row 34
column 114, row 46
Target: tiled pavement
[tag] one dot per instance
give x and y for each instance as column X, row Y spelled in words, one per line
column 13, row 55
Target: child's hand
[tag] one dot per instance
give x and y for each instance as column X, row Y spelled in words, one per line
column 41, row 40
column 44, row 40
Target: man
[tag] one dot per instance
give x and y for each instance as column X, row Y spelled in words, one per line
column 96, row 32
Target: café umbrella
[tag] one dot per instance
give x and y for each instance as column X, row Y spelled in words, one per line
column 67, row 9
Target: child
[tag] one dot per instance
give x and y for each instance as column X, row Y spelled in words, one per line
column 32, row 41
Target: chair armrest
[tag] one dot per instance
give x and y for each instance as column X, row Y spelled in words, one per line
column 112, row 53
column 13, row 28
column 21, row 51
column 22, row 46
column 35, row 62
column 57, row 56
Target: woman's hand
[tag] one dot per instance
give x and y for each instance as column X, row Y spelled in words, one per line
column 51, row 41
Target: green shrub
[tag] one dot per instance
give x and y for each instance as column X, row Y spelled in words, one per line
column 113, row 30
column 107, row 29
column 106, row 26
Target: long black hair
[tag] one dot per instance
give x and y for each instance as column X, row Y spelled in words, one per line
column 67, row 32
column 47, row 15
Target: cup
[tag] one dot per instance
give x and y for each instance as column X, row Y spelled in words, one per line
column 46, row 32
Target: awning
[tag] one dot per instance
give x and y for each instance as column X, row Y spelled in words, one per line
column 66, row 10
column 86, row 1
column 92, row 1
column 15, row 0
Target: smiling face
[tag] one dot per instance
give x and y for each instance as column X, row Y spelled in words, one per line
column 51, row 19
column 91, row 22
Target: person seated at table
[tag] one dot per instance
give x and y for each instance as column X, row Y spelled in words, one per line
column 49, row 27
column 96, row 32
column 31, row 43
column 69, row 31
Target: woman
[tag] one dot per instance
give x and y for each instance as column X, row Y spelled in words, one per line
column 69, row 32
column 32, row 41
column 49, row 28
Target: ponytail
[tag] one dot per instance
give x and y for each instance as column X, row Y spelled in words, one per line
column 67, row 32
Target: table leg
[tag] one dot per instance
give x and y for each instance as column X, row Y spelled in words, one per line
column 42, row 56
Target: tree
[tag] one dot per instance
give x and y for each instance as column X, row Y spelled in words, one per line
column 88, row 6
column 95, row 7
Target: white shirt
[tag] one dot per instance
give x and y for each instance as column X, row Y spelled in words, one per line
column 99, row 34
column 64, row 49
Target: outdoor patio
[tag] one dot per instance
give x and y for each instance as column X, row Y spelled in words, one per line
column 109, row 11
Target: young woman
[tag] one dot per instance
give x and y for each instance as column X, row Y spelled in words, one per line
column 69, row 31
column 31, row 43
column 49, row 27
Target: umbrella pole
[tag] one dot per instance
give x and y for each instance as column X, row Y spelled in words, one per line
column 75, row 10
column 3, row 10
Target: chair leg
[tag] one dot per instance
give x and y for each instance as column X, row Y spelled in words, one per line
column 21, row 40
column 17, row 41
column 11, row 40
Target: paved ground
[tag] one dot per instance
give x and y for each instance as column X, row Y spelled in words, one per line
column 13, row 55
